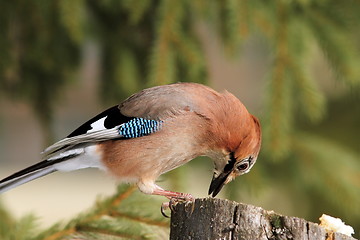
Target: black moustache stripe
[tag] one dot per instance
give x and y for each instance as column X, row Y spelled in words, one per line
column 230, row 165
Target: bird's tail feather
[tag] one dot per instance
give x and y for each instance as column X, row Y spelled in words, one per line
column 12, row 182
column 32, row 168
column 30, row 173
column 65, row 160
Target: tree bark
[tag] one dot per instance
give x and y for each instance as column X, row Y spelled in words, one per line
column 219, row 219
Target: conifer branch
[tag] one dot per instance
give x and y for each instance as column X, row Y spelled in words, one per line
column 281, row 104
column 96, row 222
column 106, row 231
column 138, row 219
column 162, row 58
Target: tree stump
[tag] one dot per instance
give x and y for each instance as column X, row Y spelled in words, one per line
column 219, row 219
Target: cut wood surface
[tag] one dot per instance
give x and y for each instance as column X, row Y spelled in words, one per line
column 212, row 218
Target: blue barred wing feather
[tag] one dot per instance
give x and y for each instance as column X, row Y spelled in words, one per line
column 108, row 125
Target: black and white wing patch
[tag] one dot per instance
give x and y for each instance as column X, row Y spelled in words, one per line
column 108, row 119
column 110, row 124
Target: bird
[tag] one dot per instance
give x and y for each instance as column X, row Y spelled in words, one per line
column 154, row 131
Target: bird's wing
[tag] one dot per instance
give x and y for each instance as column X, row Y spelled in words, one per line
column 110, row 124
column 141, row 114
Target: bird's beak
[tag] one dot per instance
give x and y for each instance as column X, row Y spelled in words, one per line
column 218, row 182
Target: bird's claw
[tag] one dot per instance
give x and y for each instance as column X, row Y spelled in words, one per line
column 167, row 205
column 192, row 205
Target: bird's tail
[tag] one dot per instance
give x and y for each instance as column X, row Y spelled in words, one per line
column 38, row 170
column 63, row 159
column 28, row 174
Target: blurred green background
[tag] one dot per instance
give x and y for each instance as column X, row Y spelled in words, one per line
column 295, row 64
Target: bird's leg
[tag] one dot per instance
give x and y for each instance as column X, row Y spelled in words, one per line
column 149, row 187
column 173, row 195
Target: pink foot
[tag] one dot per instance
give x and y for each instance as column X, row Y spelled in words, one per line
column 181, row 197
column 175, row 198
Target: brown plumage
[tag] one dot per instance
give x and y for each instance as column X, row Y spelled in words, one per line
column 190, row 120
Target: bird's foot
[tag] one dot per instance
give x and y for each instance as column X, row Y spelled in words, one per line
column 174, row 197
column 174, row 200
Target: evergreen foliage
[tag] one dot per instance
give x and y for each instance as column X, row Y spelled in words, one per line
column 38, row 53
column 126, row 215
column 146, row 43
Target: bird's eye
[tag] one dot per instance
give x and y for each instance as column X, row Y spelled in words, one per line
column 243, row 166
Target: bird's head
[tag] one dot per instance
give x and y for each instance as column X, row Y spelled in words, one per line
column 237, row 156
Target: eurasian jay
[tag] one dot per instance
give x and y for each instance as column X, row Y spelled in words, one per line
column 154, row 131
